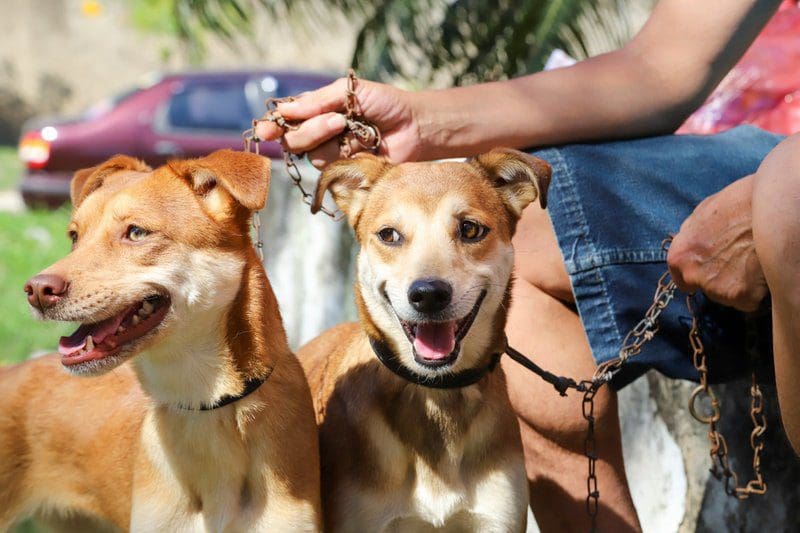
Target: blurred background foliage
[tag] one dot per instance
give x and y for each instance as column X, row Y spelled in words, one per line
column 435, row 43
column 29, row 240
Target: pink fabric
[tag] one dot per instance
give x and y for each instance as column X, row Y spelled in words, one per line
column 763, row 89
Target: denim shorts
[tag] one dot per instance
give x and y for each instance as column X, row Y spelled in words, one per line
column 611, row 205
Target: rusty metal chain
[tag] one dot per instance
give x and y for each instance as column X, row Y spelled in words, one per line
column 590, row 451
column 589, row 389
column 643, row 332
column 367, row 135
column 357, row 130
column 720, row 465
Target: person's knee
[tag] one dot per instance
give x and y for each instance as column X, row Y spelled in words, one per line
column 776, row 227
column 537, row 257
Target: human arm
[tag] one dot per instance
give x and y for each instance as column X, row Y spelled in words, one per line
column 647, row 87
column 715, row 250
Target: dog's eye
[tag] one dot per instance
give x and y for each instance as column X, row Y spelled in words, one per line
column 390, row 236
column 135, row 233
column 471, row 231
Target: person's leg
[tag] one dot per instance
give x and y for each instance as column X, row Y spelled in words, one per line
column 544, row 325
column 776, row 232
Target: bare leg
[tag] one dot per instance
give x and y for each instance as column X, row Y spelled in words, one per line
column 776, row 232
column 543, row 325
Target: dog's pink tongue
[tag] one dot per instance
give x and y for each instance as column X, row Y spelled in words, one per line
column 435, row 340
column 75, row 342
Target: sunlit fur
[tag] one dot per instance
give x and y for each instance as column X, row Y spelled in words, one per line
column 125, row 445
column 398, row 456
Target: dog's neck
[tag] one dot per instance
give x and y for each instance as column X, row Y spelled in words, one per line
column 215, row 352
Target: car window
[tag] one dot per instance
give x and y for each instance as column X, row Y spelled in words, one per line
column 258, row 90
column 107, row 104
column 209, row 106
column 268, row 86
column 298, row 86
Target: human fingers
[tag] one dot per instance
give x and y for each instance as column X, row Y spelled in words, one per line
column 267, row 130
column 313, row 132
column 332, row 150
column 680, row 265
column 313, row 103
column 325, row 154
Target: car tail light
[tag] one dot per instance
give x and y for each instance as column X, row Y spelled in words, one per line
column 34, row 151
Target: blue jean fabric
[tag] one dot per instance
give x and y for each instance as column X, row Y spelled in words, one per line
column 611, row 205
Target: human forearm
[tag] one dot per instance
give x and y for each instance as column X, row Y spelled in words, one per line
column 603, row 97
column 648, row 87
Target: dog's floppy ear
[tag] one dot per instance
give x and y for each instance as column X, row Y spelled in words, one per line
column 349, row 181
column 242, row 175
column 520, row 177
column 88, row 180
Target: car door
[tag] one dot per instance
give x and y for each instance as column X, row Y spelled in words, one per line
column 200, row 116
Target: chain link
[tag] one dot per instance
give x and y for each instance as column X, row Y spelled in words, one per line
column 590, row 451
column 718, row 446
column 357, row 131
column 633, row 343
column 644, row 331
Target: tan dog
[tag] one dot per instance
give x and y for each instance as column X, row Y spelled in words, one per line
column 220, row 436
column 427, row 439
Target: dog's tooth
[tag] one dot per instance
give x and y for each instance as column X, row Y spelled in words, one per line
column 147, row 307
column 142, row 313
column 89, row 343
column 135, row 320
column 121, row 329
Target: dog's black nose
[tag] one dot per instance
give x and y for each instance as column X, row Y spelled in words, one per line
column 430, row 295
column 45, row 290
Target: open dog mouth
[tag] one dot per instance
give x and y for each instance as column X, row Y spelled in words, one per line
column 437, row 344
column 92, row 342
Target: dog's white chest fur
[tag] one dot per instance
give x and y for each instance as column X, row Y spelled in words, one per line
column 439, row 494
column 443, row 495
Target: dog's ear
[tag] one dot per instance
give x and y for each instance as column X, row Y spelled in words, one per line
column 349, row 181
column 242, row 175
column 519, row 177
column 88, row 180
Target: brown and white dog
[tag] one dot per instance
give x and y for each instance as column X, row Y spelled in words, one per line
column 210, row 427
column 426, row 440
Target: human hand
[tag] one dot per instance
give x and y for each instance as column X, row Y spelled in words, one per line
column 714, row 250
column 322, row 118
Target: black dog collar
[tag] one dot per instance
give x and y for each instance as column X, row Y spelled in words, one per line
column 250, row 386
column 444, row 381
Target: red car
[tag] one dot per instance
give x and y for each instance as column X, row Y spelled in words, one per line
column 179, row 115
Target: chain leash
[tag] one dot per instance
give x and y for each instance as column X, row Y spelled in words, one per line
column 357, row 131
column 633, row 343
column 718, row 446
column 590, row 451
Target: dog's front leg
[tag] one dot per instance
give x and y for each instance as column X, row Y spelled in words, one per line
column 501, row 499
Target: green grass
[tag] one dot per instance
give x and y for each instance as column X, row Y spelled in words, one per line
column 30, row 241
column 10, row 167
